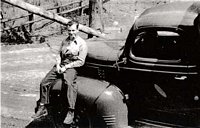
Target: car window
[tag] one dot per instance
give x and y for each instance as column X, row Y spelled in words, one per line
column 156, row 45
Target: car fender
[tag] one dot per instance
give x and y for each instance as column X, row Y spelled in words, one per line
column 108, row 100
column 112, row 108
column 90, row 89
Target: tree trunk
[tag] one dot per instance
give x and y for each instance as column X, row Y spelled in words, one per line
column 95, row 16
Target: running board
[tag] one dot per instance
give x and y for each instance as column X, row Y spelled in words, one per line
column 158, row 124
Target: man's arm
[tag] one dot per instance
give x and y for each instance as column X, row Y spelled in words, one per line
column 81, row 57
column 58, row 58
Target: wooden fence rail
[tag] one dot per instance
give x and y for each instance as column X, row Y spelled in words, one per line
column 61, row 10
column 94, row 13
column 7, row 20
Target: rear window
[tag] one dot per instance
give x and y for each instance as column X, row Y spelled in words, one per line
column 162, row 45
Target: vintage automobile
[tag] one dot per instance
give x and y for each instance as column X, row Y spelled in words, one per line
column 153, row 79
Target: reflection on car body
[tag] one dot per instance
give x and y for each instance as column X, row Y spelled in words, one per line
column 161, row 73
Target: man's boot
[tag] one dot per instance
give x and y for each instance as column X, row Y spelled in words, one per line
column 70, row 116
column 42, row 111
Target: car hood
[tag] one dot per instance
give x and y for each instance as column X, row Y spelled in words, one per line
column 169, row 15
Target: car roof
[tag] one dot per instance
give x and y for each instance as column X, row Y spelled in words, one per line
column 173, row 14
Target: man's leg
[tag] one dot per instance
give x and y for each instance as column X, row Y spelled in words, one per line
column 69, row 80
column 45, row 87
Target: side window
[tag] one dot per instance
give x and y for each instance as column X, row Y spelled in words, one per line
column 159, row 45
column 144, row 45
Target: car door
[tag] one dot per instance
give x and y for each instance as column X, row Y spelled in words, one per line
column 160, row 75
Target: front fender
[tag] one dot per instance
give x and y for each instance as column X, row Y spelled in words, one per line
column 90, row 89
column 107, row 100
column 111, row 107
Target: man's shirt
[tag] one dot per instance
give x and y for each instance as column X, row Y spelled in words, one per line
column 73, row 53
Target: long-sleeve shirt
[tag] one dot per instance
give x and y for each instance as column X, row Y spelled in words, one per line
column 73, row 53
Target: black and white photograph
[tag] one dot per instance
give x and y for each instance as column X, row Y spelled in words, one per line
column 100, row 64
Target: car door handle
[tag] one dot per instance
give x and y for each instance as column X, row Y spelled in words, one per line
column 180, row 77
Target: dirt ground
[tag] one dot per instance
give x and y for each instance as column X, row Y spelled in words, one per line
column 23, row 66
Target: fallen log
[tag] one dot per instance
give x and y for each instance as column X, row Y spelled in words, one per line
column 51, row 16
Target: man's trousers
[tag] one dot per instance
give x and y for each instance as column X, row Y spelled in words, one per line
column 68, row 77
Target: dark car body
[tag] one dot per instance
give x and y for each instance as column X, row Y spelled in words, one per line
column 154, row 78
column 158, row 68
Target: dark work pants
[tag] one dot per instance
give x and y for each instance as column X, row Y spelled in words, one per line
column 69, row 77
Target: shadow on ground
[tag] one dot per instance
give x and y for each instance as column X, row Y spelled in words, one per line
column 46, row 122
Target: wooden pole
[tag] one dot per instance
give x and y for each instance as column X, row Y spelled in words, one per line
column 58, row 11
column 52, row 16
column 95, row 16
column 1, row 17
column 30, row 18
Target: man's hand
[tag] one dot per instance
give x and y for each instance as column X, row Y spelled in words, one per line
column 63, row 69
column 58, row 68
